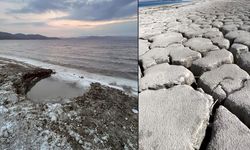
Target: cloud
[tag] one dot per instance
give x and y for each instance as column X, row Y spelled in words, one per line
column 69, row 17
column 35, row 24
column 85, row 24
column 91, row 10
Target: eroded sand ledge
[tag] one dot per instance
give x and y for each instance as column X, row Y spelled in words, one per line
column 100, row 119
column 208, row 108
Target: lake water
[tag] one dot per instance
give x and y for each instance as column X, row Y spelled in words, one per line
column 146, row 3
column 111, row 61
column 54, row 90
column 111, row 56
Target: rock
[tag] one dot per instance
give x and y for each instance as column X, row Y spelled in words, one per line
column 7, row 97
column 183, row 56
column 222, row 81
column 173, row 118
column 179, row 55
column 212, row 34
column 165, row 39
column 54, row 111
column 6, row 129
column 143, row 46
column 155, row 56
column 230, row 27
column 37, row 73
column 3, row 110
column 211, row 61
column 192, row 32
column 32, row 77
column 238, row 49
column 245, row 27
column 243, row 60
column 217, row 24
column 201, row 45
column 228, row 132
column 206, row 26
column 239, row 103
column 243, row 40
column 221, row 42
column 193, row 17
column 165, row 75
column 233, row 35
column 189, row 31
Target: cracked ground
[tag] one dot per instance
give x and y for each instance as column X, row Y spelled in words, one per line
column 194, row 65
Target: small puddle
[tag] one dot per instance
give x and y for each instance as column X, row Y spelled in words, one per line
column 54, row 90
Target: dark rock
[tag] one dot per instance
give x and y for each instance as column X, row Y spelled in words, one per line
column 30, row 78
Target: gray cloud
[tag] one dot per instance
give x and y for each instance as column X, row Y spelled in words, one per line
column 35, row 24
column 83, row 9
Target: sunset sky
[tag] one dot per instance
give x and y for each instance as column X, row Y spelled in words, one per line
column 69, row 18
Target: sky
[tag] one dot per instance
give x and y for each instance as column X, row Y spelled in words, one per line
column 69, row 18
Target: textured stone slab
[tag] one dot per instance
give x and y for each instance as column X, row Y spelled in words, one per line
column 189, row 31
column 165, row 75
column 228, row 132
column 183, row 56
column 239, row 36
column 243, row 40
column 211, row 61
column 213, row 34
column 179, row 55
column 201, row 45
column 229, row 27
column 234, row 34
column 245, row 27
column 243, row 61
column 155, row 56
column 222, row 81
column 238, row 49
column 173, row 118
column 143, row 46
column 239, row 103
column 221, row 42
column 165, row 39
column 217, row 24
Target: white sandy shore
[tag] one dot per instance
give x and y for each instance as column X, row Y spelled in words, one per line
column 79, row 77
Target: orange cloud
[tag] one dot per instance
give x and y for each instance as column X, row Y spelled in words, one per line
column 85, row 24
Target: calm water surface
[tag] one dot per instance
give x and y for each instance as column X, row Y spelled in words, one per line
column 111, row 56
column 145, row 3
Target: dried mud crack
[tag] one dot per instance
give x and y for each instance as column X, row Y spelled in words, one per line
column 100, row 119
column 210, row 40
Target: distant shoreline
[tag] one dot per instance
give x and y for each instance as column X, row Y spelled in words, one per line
column 21, row 36
column 72, row 74
column 159, row 3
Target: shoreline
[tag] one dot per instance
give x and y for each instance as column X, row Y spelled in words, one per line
column 173, row 6
column 170, row 4
column 80, row 77
column 94, row 120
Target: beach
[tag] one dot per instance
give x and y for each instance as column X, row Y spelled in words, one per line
column 108, row 60
column 194, row 75
column 101, row 117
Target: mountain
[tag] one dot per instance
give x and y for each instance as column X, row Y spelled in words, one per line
column 105, row 37
column 20, row 36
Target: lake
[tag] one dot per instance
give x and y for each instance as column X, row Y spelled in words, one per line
column 146, row 3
